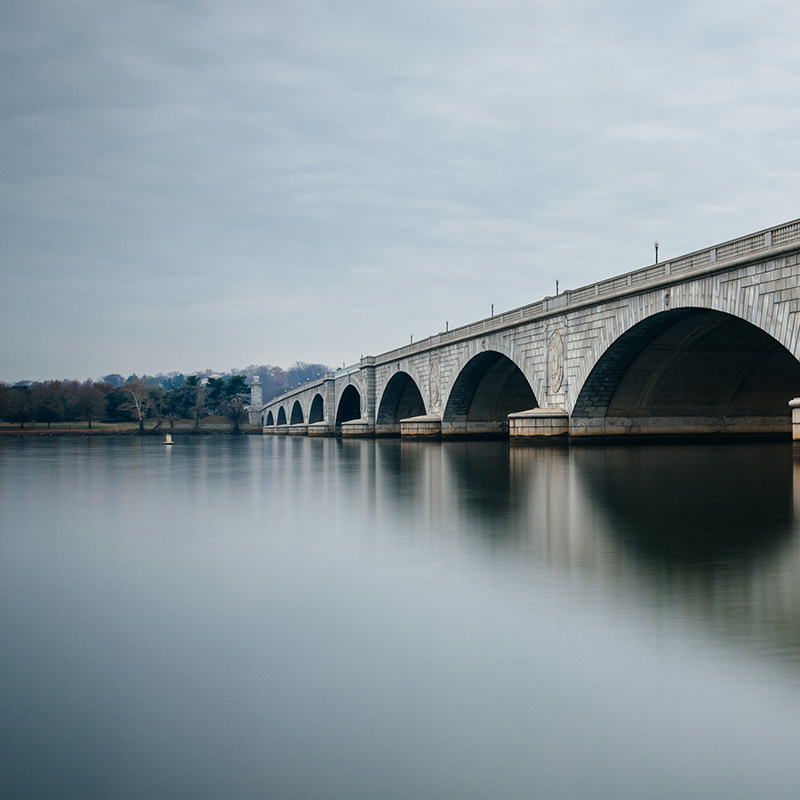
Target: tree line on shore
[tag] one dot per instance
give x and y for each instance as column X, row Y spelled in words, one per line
column 162, row 398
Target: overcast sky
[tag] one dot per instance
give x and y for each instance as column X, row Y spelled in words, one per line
column 215, row 184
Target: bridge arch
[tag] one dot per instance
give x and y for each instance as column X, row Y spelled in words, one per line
column 689, row 370
column 297, row 413
column 269, row 419
column 281, row 416
column 489, row 388
column 349, row 405
column 401, row 399
column 317, row 410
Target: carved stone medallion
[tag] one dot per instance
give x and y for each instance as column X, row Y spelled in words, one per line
column 555, row 363
column 433, row 383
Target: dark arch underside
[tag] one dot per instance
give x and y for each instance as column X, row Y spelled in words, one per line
column 281, row 416
column 488, row 389
column 401, row 399
column 297, row 413
column 349, row 405
column 317, row 412
column 270, row 418
column 689, row 371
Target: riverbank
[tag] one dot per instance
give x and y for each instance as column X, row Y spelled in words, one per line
column 212, row 426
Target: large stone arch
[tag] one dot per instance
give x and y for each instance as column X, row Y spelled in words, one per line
column 453, row 359
column 486, row 390
column 297, row 417
column 281, row 416
column 349, row 406
column 317, row 411
column 739, row 298
column 689, row 370
column 401, row 398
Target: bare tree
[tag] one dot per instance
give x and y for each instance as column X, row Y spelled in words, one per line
column 139, row 404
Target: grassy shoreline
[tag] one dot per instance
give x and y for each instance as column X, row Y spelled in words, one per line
column 211, row 426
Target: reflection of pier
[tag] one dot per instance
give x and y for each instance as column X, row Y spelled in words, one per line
column 706, row 343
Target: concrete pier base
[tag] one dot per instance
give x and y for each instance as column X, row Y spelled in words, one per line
column 358, row 427
column 281, row 430
column 268, row 429
column 320, row 429
column 422, row 427
column 298, row 429
column 795, row 406
column 538, row 423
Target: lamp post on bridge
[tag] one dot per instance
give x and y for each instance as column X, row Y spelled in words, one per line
column 656, row 246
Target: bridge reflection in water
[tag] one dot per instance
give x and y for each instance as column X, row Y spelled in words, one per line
column 302, row 617
column 701, row 533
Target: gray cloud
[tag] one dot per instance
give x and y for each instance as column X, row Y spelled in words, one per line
column 206, row 184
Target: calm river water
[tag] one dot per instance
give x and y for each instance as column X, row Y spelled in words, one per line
column 273, row 617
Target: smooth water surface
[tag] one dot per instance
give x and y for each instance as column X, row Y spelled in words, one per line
column 275, row 617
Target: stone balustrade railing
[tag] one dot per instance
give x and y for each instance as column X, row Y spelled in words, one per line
column 338, row 372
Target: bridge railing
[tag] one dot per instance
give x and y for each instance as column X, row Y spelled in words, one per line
column 753, row 244
column 338, row 372
column 294, row 391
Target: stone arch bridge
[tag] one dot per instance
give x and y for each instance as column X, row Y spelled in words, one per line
column 703, row 344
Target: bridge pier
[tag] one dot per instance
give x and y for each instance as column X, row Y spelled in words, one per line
column 795, row 406
column 426, row 426
column 298, row 429
column 320, row 429
column 538, row 423
column 357, row 428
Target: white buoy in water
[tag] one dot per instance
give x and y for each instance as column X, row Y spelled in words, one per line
column 168, row 440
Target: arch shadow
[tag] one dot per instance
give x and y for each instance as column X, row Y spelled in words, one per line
column 281, row 416
column 689, row 371
column 401, row 399
column 317, row 411
column 349, row 405
column 489, row 388
column 270, row 419
column 297, row 413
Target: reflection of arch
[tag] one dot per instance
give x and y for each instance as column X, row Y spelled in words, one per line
column 689, row 370
column 297, row 413
column 270, row 418
column 750, row 518
column 317, row 412
column 349, row 405
column 489, row 388
column 281, row 416
column 401, row 399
